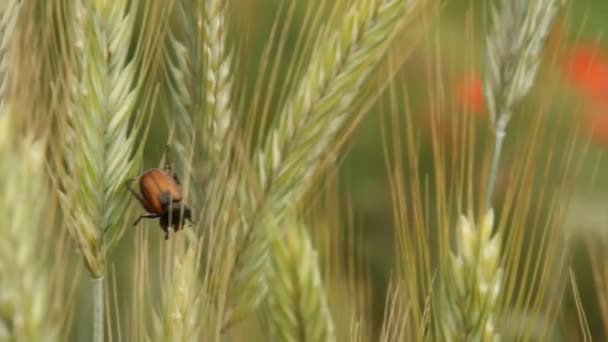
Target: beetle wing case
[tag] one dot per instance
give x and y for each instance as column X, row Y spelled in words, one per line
column 158, row 189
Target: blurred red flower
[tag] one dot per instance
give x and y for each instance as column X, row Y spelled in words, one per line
column 469, row 94
column 586, row 68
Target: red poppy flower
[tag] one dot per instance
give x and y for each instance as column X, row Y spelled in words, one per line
column 469, row 94
column 586, row 68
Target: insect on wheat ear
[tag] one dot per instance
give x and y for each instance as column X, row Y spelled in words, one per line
column 161, row 196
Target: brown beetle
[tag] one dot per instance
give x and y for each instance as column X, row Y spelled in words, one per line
column 161, row 196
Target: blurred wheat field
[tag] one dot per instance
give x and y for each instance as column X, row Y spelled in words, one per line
column 392, row 170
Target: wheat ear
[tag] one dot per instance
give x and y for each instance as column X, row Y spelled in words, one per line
column 518, row 36
column 25, row 303
column 306, row 129
column 181, row 313
column 322, row 104
column 25, row 299
column 475, row 282
column 520, row 29
column 297, row 302
column 101, row 150
column 218, row 80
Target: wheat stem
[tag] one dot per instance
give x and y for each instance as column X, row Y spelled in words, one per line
column 512, row 60
column 500, row 133
column 98, row 312
column 99, row 142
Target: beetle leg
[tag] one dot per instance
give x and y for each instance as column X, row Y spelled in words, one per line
column 164, row 223
column 138, row 196
column 149, row 216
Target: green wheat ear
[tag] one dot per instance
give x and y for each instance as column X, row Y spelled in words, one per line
column 180, row 319
column 512, row 57
column 297, row 303
column 471, row 281
column 25, row 310
column 472, row 284
column 100, row 147
column 101, row 134
column 518, row 36
column 218, row 81
column 26, row 313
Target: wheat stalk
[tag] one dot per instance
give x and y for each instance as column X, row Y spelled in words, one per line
column 472, row 279
column 306, row 129
column 195, row 91
column 196, row 88
column 339, row 68
column 99, row 146
column 297, row 303
column 100, row 151
column 520, row 30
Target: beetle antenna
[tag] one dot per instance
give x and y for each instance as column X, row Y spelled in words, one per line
column 149, row 216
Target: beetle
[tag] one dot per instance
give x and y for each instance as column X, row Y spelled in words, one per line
column 161, row 196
